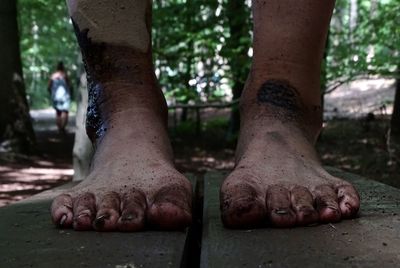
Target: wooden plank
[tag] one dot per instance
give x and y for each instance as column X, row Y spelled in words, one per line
column 371, row 240
column 29, row 239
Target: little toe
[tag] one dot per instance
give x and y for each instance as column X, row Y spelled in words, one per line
column 171, row 208
column 84, row 211
column 242, row 206
column 279, row 208
column 133, row 207
column 107, row 213
column 349, row 201
column 61, row 211
column 302, row 203
column 326, row 202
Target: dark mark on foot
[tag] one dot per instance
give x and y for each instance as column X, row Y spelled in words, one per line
column 94, row 121
column 279, row 93
column 100, row 221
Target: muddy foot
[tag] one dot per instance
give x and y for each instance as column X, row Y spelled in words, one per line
column 278, row 178
column 128, row 190
column 133, row 183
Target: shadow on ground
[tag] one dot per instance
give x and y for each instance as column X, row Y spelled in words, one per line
column 24, row 176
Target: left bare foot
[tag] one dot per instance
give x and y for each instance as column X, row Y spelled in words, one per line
column 278, row 177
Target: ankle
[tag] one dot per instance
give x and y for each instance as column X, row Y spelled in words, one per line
column 106, row 62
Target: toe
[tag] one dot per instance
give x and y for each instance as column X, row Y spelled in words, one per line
column 326, row 202
column 242, row 206
column 107, row 213
column 133, row 207
column 61, row 211
column 349, row 201
column 84, row 211
column 171, row 208
column 279, row 208
column 302, row 204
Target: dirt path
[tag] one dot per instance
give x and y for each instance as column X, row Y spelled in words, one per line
column 21, row 177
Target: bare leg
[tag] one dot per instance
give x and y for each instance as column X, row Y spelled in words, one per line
column 133, row 181
column 278, row 177
column 64, row 120
column 59, row 120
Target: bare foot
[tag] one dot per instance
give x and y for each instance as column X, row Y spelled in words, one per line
column 278, row 178
column 132, row 186
column 133, row 183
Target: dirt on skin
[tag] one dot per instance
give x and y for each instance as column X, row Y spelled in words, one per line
column 352, row 145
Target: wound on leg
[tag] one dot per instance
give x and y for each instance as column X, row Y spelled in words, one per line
column 94, row 122
column 280, row 94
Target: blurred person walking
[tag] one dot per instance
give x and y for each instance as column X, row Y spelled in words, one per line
column 61, row 91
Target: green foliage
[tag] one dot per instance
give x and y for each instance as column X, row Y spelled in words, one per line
column 187, row 43
column 365, row 41
column 46, row 38
column 201, row 46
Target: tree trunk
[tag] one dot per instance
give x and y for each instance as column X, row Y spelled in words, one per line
column 395, row 121
column 16, row 133
column 239, row 28
column 83, row 149
column 394, row 131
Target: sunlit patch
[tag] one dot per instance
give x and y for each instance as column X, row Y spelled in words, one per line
column 18, row 182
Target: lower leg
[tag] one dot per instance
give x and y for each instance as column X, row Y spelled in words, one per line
column 58, row 120
column 133, row 181
column 63, row 120
column 278, row 176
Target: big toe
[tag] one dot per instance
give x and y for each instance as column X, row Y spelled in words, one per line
column 171, row 208
column 242, row 205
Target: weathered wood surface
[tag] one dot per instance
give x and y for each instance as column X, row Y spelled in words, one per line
column 29, row 239
column 371, row 240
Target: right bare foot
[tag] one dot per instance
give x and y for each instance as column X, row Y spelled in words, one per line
column 133, row 183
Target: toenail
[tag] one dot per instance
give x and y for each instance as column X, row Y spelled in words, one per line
column 99, row 221
column 332, row 208
column 281, row 211
column 85, row 213
column 103, row 217
column 128, row 217
column 82, row 215
column 63, row 219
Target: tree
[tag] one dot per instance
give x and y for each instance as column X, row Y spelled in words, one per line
column 16, row 131
column 364, row 40
column 47, row 37
column 395, row 121
column 394, row 131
